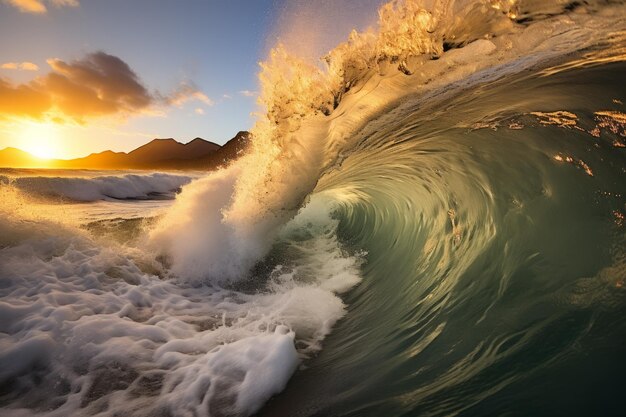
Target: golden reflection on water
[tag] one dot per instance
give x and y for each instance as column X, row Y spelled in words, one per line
column 615, row 51
column 612, row 121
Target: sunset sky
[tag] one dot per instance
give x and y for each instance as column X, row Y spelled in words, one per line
column 82, row 76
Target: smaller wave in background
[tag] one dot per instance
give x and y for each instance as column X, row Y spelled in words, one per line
column 154, row 186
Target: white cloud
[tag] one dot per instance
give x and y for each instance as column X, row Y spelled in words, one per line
column 187, row 91
column 198, row 95
column 199, row 110
column 61, row 3
column 248, row 93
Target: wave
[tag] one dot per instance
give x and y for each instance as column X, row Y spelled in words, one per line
column 495, row 261
column 121, row 187
column 423, row 52
column 446, row 196
column 91, row 323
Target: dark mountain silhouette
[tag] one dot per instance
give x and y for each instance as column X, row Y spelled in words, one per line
column 158, row 154
column 230, row 151
column 161, row 149
column 152, row 155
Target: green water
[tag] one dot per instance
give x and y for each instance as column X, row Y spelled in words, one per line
column 494, row 282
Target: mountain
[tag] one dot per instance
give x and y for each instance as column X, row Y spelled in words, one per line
column 16, row 158
column 157, row 154
column 164, row 149
column 233, row 149
column 230, row 151
column 107, row 159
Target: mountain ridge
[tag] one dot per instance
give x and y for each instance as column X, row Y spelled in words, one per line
column 159, row 153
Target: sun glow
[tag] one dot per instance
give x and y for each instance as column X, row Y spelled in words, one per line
column 40, row 140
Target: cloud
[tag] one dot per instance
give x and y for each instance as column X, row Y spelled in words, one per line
column 60, row 3
column 248, row 93
column 24, row 66
column 187, row 91
column 99, row 84
column 39, row 6
column 23, row 100
column 199, row 110
column 28, row 6
column 96, row 85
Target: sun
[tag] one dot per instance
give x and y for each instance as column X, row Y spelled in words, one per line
column 40, row 140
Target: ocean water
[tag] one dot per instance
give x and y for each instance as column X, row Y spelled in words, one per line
column 432, row 225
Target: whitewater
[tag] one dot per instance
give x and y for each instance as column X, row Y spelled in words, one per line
column 428, row 222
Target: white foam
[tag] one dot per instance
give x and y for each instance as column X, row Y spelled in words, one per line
column 201, row 245
column 251, row 370
column 105, row 337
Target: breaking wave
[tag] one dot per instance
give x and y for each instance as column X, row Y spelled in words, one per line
column 94, row 188
column 446, row 194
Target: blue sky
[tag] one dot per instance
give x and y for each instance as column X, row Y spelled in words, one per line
column 211, row 47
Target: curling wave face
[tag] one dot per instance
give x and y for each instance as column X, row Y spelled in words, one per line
column 457, row 177
column 494, row 280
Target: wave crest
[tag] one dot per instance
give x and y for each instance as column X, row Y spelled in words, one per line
column 122, row 187
column 315, row 116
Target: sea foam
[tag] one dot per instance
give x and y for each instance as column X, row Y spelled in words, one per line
column 86, row 329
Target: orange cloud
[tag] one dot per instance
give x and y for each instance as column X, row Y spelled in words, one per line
column 25, row 66
column 23, row 100
column 39, row 6
column 97, row 85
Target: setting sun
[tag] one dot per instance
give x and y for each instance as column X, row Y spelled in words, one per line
column 40, row 140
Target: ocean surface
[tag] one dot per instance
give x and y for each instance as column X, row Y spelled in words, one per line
column 430, row 225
